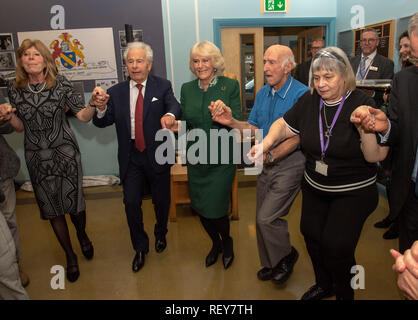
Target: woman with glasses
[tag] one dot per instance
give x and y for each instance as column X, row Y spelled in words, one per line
column 339, row 187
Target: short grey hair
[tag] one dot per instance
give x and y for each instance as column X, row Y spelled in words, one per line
column 290, row 58
column 413, row 24
column 335, row 60
column 413, row 29
column 369, row 30
column 138, row 45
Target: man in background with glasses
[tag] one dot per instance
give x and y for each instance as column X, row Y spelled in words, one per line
column 302, row 70
column 371, row 65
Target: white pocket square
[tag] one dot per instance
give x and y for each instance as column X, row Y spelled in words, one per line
column 154, row 99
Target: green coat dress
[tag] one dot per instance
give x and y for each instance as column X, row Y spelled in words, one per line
column 210, row 183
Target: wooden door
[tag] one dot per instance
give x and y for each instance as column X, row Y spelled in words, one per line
column 243, row 51
column 305, row 40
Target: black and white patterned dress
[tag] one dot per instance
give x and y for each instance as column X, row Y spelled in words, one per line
column 51, row 151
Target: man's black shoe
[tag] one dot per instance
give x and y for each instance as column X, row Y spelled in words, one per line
column 383, row 224
column 139, row 261
column 392, row 232
column 317, row 293
column 265, row 274
column 160, row 245
column 285, row 267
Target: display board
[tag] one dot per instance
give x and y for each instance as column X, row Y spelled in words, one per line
column 385, row 31
column 30, row 17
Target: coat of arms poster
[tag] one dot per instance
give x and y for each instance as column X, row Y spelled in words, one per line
column 79, row 54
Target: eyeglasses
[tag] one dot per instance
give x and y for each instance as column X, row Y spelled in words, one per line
column 368, row 40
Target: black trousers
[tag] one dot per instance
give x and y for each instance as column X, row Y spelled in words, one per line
column 408, row 228
column 139, row 169
column 331, row 224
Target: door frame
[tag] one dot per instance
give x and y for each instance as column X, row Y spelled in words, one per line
column 328, row 22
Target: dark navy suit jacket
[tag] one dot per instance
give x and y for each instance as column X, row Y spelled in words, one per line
column 383, row 70
column 159, row 100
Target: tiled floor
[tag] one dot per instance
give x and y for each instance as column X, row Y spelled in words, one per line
column 179, row 272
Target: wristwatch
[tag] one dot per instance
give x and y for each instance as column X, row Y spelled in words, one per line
column 270, row 157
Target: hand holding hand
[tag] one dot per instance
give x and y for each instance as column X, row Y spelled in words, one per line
column 406, row 266
column 257, row 154
column 220, row 112
column 99, row 98
column 370, row 119
column 6, row 112
column 169, row 122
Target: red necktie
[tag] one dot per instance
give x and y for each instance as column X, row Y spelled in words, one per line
column 139, row 110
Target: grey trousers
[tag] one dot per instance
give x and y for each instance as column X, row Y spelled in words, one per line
column 277, row 187
column 10, row 285
column 8, row 207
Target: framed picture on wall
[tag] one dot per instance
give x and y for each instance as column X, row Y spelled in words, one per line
column 6, row 76
column 122, row 51
column 6, row 42
column 7, row 60
column 137, row 34
column 125, row 74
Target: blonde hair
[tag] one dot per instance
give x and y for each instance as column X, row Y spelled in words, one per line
column 208, row 49
column 50, row 71
column 335, row 60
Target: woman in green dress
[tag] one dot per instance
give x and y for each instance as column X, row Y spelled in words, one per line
column 210, row 179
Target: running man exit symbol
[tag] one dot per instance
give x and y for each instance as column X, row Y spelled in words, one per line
column 275, row 6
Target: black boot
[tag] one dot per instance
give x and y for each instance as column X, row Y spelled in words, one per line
column 212, row 257
column 228, row 255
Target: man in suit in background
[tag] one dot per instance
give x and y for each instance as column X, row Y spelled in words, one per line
column 139, row 108
column 302, row 70
column 401, row 134
column 370, row 65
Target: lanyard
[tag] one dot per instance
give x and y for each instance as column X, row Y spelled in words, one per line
column 321, row 129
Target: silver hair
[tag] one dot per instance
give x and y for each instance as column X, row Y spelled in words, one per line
column 139, row 45
column 369, row 30
column 413, row 24
column 413, row 29
column 335, row 60
column 289, row 59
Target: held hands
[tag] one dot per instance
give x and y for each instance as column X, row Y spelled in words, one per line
column 99, row 98
column 370, row 119
column 406, row 266
column 257, row 154
column 220, row 112
column 6, row 112
column 169, row 122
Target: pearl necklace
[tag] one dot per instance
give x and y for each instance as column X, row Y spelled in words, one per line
column 36, row 92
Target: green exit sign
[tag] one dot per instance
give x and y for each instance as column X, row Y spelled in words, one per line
column 275, row 5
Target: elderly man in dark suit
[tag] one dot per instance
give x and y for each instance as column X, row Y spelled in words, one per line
column 9, row 168
column 302, row 70
column 139, row 108
column 370, row 65
column 401, row 132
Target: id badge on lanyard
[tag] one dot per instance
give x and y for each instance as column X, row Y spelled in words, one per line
column 320, row 166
